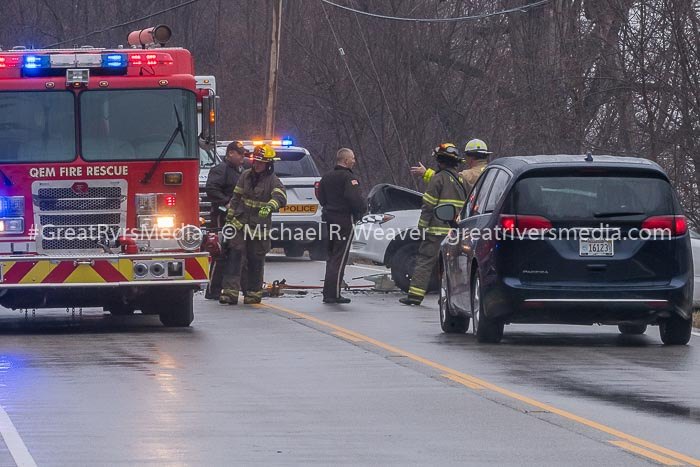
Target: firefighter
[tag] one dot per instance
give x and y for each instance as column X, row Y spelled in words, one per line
column 340, row 196
column 475, row 151
column 445, row 186
column 259, row 192
column 221, row 181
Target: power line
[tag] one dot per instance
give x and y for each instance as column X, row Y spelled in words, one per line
column 381, row 90
column 520, row 9
column 73, row 40
column 357, row 90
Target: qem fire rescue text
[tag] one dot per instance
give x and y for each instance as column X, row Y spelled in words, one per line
column 77, row 171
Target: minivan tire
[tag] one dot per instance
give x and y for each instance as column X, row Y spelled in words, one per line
column 449, row 323
column 632, row 329
column 402, row 264
column 487, row 330
column 675, row 330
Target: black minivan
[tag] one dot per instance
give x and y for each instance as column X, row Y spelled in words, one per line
column 568, row 239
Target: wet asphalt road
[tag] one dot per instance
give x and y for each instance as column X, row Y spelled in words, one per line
column 371, row 383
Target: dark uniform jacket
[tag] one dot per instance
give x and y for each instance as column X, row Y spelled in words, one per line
column 252, row 192
column 445, row 187
column 340, row 196
column 221, row 181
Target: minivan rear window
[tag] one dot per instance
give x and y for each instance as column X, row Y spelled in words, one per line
column 593, row 197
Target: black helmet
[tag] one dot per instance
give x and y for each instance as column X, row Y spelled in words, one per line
column 447, row 152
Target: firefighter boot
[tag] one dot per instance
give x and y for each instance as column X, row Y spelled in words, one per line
column 411, row 300
column 228, row 297
column 252, row 298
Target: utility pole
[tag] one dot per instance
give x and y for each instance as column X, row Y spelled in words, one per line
column 274, row 68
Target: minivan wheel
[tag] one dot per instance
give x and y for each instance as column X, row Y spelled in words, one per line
column 486, row 330
column 675, row 330
column 632, row 329
column 449, row 323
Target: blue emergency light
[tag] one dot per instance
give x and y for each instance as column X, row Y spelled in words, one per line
column 115, row 61
column 36, row 62
column 287, row 141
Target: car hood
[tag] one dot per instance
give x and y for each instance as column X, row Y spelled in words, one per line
column 386, row 197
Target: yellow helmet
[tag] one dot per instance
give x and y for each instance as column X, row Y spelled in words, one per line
column 476, row 148
column 264, row 153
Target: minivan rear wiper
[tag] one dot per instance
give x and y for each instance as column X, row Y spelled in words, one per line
column 617, row 213
column 178, row 129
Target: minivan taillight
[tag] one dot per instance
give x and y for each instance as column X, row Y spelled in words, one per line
column 510, row 223
column 676, row 225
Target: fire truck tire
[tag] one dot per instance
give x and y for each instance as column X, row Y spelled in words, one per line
column 180, row 309
column 120, row 309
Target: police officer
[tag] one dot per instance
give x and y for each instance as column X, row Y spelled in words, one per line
column 445, row 186
column 476, row 153
column 221, row 181
column 343, row 204
column 258, row 193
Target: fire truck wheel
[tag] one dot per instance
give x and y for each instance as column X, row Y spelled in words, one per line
column 180, row 309
column 120, row 309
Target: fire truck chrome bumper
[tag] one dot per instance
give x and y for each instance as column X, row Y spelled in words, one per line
column 104, row 271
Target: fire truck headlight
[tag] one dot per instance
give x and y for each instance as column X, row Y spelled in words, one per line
column 165, row 222
column 11, row 226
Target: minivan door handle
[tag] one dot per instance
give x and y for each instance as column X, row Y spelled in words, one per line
column 597, row 267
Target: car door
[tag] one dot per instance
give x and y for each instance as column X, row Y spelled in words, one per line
column 472, row 218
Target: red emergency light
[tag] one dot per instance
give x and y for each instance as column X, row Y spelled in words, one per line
column 10, row 61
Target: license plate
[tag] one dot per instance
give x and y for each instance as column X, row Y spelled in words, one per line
column 299, row 209
column 595, row 248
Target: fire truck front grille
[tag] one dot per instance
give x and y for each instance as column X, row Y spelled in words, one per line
column 79, row 204
column 78, row 216
column 81, row 219
column 91, row 192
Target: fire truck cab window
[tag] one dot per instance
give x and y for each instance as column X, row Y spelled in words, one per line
column 137, row 124
column 37, row 126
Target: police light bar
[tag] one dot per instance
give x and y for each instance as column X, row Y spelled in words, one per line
column 285, row 141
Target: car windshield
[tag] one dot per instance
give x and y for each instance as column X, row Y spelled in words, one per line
column 37, row 126
column 295, row 164
column 594, row 197
column 207, row 159
column 292, row 163
column 137, row 124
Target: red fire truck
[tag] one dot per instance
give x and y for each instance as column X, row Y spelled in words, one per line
column 99, row 163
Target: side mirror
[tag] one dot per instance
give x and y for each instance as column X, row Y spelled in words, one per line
column 445, row 212
column 209, row 114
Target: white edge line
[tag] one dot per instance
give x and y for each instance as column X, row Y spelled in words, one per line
column 696, row 333
column 14, row 442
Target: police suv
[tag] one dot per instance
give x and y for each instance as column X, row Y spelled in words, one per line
column 296, row 227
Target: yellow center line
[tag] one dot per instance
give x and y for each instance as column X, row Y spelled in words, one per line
column 644, row 452
column 487, row 385
column 346, row 336
column 464, row 382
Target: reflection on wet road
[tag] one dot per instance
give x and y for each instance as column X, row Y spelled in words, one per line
column 258, row 385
